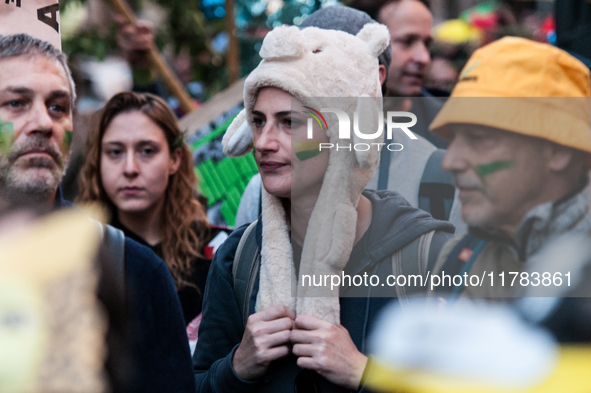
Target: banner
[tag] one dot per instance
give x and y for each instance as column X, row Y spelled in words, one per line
column 38, row 18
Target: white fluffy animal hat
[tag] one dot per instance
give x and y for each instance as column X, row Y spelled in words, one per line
column 309, row 64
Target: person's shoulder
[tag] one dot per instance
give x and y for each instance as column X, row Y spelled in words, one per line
column 232, row 241
column 384, row 197
column 391, row 206
column 394, row 215
column 224, row 256
column 141, row 262
column 136, row 251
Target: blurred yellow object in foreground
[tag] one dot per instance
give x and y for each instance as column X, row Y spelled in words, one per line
column 572, row 375
column 51, row 326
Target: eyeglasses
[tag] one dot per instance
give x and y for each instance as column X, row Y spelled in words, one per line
column 305, row 382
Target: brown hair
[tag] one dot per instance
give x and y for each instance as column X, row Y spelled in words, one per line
column 184, row 221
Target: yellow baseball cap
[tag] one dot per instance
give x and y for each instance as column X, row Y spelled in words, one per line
column 526, row 87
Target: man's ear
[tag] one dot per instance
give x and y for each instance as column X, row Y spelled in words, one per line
column 176, row 158
column 383, row 74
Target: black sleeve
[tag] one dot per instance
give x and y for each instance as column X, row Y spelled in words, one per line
column 221, row 329
column 160, row 352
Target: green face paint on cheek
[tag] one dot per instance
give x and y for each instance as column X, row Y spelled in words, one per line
column 306, row 150
column 6, row 138
column 67, row 143
column 306, row 155
column 484, row 170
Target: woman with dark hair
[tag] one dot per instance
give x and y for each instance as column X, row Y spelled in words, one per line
column 138, row 166
column 276, row 329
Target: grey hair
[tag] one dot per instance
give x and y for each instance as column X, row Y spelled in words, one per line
column 25, row 45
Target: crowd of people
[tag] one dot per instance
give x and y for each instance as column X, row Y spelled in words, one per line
column 490, row 182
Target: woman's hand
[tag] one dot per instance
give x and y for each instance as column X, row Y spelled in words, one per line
column 265, row 339
column 328, row 350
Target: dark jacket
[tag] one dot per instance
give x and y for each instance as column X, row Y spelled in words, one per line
column 190, row 297
column 160, row 350
column 395, row 223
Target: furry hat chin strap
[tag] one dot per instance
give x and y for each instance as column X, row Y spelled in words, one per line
column 367, row 120
column 277, row 269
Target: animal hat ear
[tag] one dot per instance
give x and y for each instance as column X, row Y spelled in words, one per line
column 376, row 36
column 237, row 140
column 283, row 42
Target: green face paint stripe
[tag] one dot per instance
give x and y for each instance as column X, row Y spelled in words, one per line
column 307, row 154
column 6, row 137
column 317, row 120
column 6, row 126
column 67, row 142
column 68, row 137
column 487, row 169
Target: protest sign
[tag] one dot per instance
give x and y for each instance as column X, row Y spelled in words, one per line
column 37, row 18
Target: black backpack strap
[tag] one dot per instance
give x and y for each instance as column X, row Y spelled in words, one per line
column 113, row 245
column 436, row 192
column 460, row 261
column 245, row 269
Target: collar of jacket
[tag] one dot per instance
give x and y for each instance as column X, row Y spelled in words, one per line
column 546, row 222
column 59, row 202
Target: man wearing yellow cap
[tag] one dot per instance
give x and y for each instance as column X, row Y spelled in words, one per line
column 519, row 129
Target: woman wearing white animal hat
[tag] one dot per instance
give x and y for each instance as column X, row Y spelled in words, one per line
column 265, row 330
